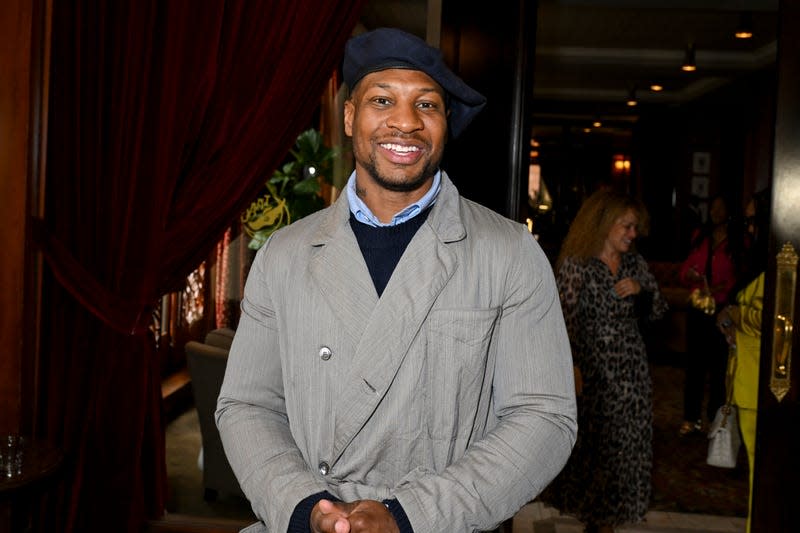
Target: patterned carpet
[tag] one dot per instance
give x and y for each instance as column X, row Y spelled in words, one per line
column 682, row 482
column 185, row 479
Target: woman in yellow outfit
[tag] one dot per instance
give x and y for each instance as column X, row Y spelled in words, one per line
column 745, row 318
column 741, row 325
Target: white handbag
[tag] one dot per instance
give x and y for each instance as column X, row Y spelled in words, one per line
column 723, row 436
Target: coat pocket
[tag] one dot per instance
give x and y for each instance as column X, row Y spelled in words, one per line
column 458, row 369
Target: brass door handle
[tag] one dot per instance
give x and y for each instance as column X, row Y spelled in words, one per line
column 783, row 338
column 783, row 330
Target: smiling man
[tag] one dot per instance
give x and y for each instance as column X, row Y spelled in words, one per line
column 401, row 363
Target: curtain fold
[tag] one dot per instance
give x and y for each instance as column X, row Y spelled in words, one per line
column 165, row 119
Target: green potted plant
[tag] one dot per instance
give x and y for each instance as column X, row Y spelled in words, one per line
column 293, row 190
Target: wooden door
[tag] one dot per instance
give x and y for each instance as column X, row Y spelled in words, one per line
column 776, row 498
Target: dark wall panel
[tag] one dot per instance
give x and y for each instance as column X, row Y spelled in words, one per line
column 491, row 47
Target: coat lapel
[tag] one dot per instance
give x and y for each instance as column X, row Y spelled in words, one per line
column 339, row 271
column 394, row 320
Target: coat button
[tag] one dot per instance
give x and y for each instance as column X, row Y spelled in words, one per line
column 325, row 353
column 324, row 468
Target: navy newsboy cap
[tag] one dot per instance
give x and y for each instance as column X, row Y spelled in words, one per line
column 386, row 48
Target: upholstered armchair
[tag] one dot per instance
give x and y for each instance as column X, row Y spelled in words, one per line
column 207, row 362
column 221, row 338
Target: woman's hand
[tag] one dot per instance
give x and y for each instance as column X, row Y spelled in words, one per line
column 627, row 287
column 693, row 276
column 727, row 320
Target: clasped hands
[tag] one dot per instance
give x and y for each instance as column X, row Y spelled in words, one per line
column 361, row 516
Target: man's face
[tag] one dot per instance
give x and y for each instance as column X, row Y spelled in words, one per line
column 398, row 123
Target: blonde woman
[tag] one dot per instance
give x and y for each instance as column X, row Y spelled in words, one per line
column 606, row 288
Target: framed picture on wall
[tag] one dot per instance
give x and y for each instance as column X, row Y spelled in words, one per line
column 700, row 186
column 701, row 162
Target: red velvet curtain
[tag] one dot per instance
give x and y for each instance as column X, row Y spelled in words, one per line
column 165, row 118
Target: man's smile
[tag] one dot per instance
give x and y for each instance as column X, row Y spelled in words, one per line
column 399, row 148
column 402, row 154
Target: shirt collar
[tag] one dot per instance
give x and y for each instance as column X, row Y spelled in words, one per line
column 363, row 214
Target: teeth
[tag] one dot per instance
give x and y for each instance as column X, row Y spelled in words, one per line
column 400, row 148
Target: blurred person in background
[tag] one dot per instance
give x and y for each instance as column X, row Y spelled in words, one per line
column 740, row 323
column 709, row 265
column 606, row 289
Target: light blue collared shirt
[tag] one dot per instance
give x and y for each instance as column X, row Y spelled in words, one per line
column 364, row 215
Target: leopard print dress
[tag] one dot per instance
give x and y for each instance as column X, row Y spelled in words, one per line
column 607, row 479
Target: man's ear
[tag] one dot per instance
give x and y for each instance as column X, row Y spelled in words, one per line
column 349, row 112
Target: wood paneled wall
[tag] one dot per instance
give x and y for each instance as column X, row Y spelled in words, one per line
column 22, row 93
column 15, row 40
column 490, row 46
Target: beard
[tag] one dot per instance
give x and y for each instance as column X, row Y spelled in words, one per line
column 405, row 183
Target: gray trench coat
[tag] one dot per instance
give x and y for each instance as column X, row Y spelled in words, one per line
column 452, row 392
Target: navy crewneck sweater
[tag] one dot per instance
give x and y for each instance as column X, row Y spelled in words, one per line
column 383, row 246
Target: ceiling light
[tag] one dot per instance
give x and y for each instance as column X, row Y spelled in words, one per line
column 597, row 123
column 688, row 59
column 587, row 130
column 745, row 28
column 632, row 98
column 656, row 88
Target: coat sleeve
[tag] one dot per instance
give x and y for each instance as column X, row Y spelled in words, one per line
column 534, row 413
column 251, row 412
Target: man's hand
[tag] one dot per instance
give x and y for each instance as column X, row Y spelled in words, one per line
column 361, row 516
column 330, row 517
